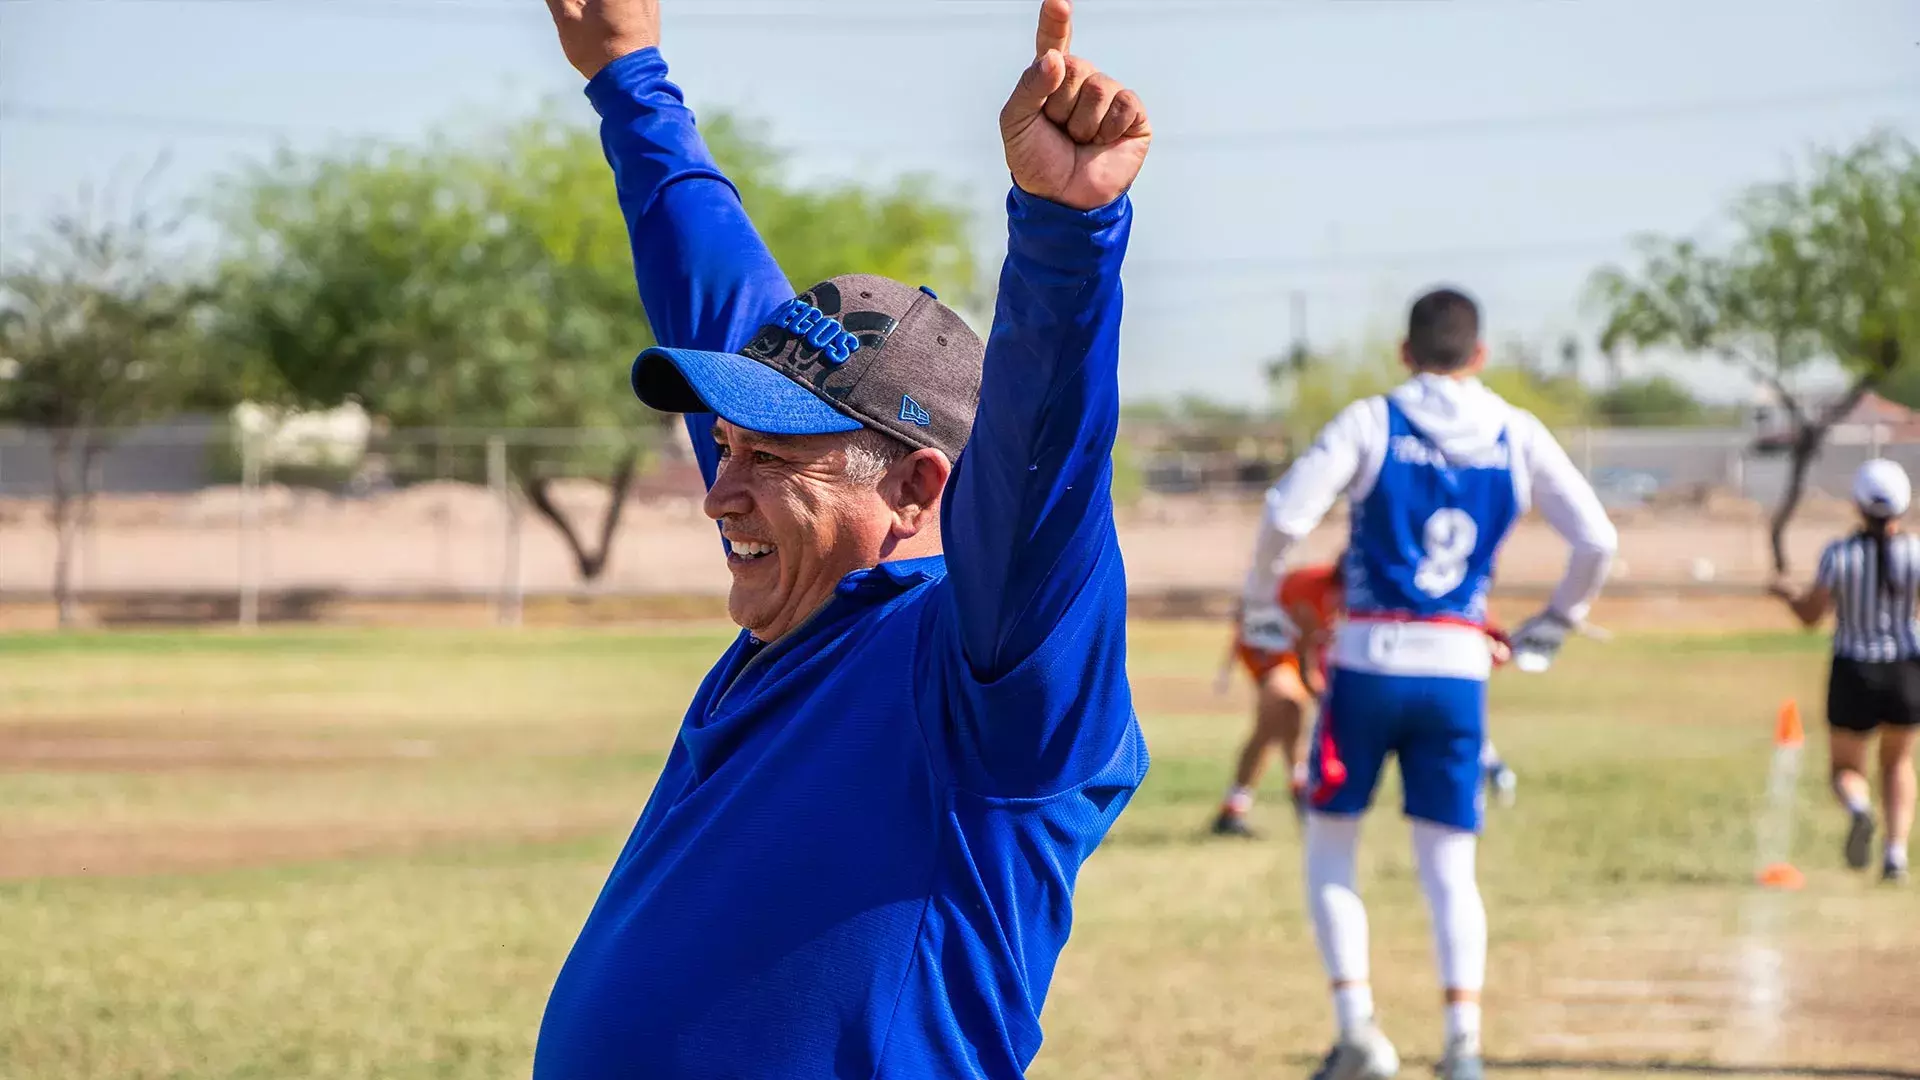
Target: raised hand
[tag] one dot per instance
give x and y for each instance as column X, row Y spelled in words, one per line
column 1073, row 135
column 595, row 33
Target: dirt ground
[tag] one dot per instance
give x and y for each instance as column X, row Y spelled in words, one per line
column 440, row 555
column 109, row 852
column 120, row 747
column 1728, row 609
column 114, row 748
column 447, row 538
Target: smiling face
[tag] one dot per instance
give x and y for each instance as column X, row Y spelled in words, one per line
column 800, row 512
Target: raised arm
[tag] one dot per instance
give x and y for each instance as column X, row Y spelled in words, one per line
column 706, row 279
column 1037, row 588
column 1029, row 513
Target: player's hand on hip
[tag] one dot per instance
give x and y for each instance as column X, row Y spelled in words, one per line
column 595, row 33
column 1073, row 136
column 1538, row 640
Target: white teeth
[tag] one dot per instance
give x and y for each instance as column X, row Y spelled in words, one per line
column 747, row 549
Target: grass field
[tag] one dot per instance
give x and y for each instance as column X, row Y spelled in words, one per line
column 363, row 854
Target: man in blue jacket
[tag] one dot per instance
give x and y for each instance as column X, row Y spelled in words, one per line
column 859, row 859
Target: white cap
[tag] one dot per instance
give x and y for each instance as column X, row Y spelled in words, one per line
column 1881, row 489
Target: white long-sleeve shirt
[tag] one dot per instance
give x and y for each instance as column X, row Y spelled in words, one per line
column 1463, row 416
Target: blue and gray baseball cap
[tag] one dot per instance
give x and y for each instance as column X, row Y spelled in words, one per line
column 853, row 352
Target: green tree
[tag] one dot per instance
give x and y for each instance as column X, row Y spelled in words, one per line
column 1312, row 394
column 1902, row 386
column 488, row 283
column 1310, row 390
column 1659, row 401
column 1558, row 400
column 1188, row 408
column 96, row 326
column 1821, row 266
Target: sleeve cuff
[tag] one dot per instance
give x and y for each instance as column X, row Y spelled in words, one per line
column 623, row 81
column 1045, row 210
column 1063, row 237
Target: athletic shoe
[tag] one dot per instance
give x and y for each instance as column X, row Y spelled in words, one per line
column 1360, row 1055
column 1503, row 781
column 1461, row 1062
column 1893, row 873
column 1232, row 824
column 1860, row 840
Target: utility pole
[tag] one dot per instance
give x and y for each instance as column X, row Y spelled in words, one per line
column 1297, row 352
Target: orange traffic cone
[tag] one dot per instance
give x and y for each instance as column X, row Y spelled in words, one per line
column 1789, row 734
column 1782, row 875
column 1787, row 730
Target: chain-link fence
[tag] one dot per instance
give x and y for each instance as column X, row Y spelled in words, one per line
column 203, row 514
column 199, row 516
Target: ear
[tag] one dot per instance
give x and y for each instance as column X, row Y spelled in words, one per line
column 912, row 489
column 1406, row 357
column 1479, row 361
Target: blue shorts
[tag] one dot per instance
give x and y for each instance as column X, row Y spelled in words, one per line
column 1435, row 726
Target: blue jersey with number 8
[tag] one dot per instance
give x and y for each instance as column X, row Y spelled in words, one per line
column 1424, row 539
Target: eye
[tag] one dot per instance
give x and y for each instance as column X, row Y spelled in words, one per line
column 761, row 457
column 722, row 449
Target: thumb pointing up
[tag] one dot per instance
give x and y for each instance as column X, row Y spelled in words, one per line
column 1073, row 135
column 1043, row 77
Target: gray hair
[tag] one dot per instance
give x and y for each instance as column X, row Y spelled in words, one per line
column 871, row 453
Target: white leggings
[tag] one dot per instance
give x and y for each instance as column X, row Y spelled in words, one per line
column 1445, row 858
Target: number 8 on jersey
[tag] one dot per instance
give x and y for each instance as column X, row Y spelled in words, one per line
column 1450, row 537
column 1425, row 537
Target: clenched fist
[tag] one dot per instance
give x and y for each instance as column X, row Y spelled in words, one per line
column 595, row 33
column 1073, row 135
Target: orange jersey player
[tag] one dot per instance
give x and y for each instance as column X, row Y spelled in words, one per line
column 1281, row 641
column 1313, row 598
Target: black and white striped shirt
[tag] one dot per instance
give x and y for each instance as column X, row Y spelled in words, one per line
column 1872, row 623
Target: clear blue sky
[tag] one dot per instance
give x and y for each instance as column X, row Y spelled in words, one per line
column 1354, row 150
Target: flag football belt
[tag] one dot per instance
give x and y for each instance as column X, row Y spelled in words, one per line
column 1333, row 772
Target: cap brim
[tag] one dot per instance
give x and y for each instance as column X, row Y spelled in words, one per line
column 738, row 389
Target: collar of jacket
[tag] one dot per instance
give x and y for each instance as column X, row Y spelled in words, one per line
column 879, row 583
column 893, row 577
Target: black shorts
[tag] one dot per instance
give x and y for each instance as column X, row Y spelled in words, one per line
column 1863, row 694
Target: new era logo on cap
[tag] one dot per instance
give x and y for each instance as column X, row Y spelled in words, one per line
column 912, row 413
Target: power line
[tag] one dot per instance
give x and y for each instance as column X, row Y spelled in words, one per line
column 1342, row 134
column 1619, row 116
column 870, row 15
column 1156, row 285
column 1246, row 266
column 181, row 125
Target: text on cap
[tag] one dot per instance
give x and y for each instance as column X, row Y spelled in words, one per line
column 818, row 329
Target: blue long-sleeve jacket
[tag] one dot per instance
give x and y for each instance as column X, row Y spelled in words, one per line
column 859, row 860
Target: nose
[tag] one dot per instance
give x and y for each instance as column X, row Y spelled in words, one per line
column 728, row 497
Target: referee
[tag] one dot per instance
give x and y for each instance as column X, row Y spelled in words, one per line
column 1868, row 580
